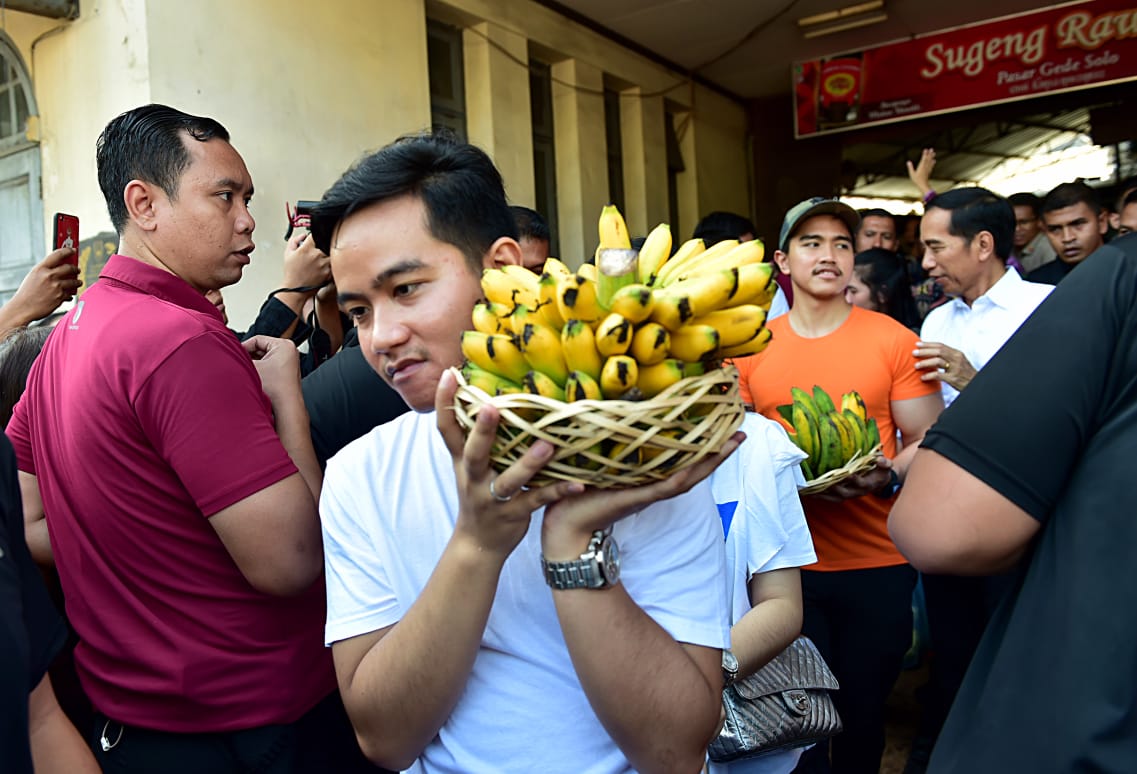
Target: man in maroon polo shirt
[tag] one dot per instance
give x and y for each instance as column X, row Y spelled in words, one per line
column 178, row 478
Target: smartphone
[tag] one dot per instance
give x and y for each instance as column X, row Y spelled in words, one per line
column 66, row 230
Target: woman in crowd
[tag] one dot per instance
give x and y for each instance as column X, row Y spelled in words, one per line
column 880, row 283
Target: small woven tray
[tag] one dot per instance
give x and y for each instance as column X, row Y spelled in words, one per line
column 678, row 427
column 859, row 464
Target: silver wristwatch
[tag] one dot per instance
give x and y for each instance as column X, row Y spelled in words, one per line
column 597, row 568
column 729, row 667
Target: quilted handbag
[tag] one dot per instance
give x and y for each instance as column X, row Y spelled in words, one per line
column 784, row 704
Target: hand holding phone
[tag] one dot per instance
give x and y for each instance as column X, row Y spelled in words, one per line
column 66, row 231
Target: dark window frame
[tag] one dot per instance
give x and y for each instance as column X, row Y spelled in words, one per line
column 446, row 73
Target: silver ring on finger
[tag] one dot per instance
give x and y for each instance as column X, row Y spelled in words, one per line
column 496, row 496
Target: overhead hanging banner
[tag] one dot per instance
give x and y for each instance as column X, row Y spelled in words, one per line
column 1073, row 46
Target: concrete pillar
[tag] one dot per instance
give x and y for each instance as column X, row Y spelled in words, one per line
column 497, row 104
column 582, row 161
column 645, row 160
column 687, row 181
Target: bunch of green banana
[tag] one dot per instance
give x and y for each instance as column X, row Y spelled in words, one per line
column 831, row 436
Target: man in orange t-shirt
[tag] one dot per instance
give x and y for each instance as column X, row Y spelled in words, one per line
column 857, row 597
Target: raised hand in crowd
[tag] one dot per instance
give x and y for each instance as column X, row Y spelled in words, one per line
column 304, row 267
column 921, row 173
column 50, row 282
column 304, row 264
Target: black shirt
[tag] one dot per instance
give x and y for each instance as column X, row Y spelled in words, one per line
column 346, row 399
column 1051, row 273
column 1051, row 424
column 31, row 631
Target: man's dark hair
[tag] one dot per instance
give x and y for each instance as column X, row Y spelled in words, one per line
column 1130, row 198
column 1025, row 199
column 877, row 212
column 457, row 183
column 976, row 209
column 1070, row 194
column 530, row 223
column 147, row 144
column 718, row 226
column 1124, row 188
column 886, row 275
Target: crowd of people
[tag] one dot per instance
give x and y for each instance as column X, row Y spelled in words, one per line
column 278, row 551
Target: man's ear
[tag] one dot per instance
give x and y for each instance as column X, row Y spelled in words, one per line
column 985, row 242
column 141, row 204
column 1103, row 222
column 504, row 252
column 783, row 262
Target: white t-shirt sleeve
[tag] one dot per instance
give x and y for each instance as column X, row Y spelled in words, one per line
column 361, row 598
column 794, row 546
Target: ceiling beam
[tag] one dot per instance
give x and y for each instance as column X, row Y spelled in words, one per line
column 595, row 26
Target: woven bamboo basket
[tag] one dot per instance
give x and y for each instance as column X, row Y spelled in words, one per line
column 858, row 464
column 612, row 443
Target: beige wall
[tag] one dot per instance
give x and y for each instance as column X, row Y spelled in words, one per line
column 304, row 94
column 582, row 156
column 497, row 104
column 645, row 160
column 83, row 73
column 721, row 162
column 579, row 53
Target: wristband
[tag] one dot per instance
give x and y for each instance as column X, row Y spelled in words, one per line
column 931, row 194
column 889, row 490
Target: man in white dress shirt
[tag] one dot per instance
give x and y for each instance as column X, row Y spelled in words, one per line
column 967, row 235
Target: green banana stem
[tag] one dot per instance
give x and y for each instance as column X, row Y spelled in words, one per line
column 615, row 268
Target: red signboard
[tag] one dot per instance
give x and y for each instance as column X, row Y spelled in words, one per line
column 1073, row 46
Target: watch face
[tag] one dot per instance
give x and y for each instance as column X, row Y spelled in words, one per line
column 729, row 665
column 610, row 566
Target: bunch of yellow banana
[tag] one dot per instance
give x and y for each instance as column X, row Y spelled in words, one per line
column 627, row 327
column 830, row 436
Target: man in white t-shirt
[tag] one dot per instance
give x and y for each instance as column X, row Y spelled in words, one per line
column 452, row 652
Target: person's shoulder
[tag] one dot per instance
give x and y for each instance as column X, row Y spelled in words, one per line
column 779, row 323
column 879, row 323
column 402, row 436
column 1048, row 273
column 766, row 438
column 1035, row 291
column 157, row 324
column 1112, row 267
column 936, row 317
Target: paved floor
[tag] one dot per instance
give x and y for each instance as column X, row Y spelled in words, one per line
column 902, row 716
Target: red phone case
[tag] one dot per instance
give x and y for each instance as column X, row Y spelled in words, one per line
column 67, row 234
